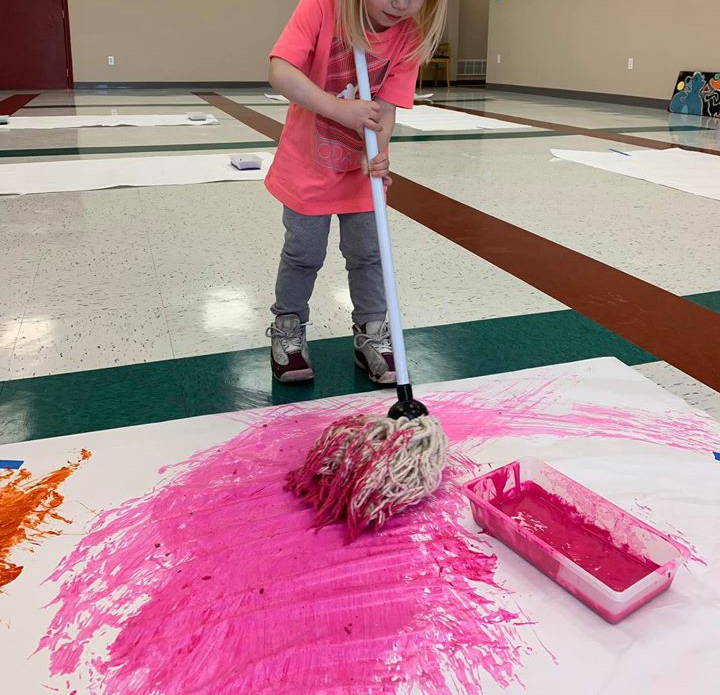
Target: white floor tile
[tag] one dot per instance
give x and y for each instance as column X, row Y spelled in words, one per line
column 131, row 275
column 18, row 275
column 48, row 345
column 9, row 331
column 660, row 235
column 676, row 382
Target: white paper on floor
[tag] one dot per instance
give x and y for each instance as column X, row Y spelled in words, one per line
column 434, row 118
column 597, row 421
column 93, row 174
column 692, row 172
column 90, row 121
column 280, row 97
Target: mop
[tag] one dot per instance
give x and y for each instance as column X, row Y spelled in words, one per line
column 366, row 468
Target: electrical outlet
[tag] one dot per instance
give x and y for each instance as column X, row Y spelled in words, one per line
column 631, row 63
column 111, row 60
column 113, row 112
column 499, row 58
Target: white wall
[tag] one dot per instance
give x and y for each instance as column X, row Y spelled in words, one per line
column 584, row 45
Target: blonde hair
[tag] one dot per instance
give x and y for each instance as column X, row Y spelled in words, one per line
column 353, row 23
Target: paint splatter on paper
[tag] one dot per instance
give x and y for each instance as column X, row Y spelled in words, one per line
column 215, row 582
column 26, row 507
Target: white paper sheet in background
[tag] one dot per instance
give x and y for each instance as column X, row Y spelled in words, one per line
column 280, row 97
column 693, row 172
column 434, row 118
column 53, row 122
column 93, row 174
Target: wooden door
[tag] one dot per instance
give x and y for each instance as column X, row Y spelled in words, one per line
column 34, row 45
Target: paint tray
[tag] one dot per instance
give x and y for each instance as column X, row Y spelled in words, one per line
column 652, row 558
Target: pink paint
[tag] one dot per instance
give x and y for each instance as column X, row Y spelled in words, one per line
column 215, row 583
column 565, row 529
column 607, row 558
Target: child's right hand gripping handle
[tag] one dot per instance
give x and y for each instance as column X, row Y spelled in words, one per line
column 378, row 193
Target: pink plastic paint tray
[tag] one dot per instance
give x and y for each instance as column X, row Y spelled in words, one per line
column 610, row 560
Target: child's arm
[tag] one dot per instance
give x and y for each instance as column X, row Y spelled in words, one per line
column 380, row 166
column 301, row 90
column 386, row 119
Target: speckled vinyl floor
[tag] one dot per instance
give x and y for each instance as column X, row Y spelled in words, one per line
column 137, row 305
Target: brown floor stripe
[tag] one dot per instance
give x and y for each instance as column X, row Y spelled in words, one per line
column 10, row 105
column 575, row 130
column 269, row 127
column 674, row 329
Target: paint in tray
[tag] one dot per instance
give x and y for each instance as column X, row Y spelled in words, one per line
column 607, row 558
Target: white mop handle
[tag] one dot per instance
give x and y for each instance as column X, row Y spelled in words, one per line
column 383, row 232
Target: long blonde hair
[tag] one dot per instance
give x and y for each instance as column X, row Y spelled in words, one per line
column 353, row 23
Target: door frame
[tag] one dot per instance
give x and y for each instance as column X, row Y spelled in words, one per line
column 68, row 48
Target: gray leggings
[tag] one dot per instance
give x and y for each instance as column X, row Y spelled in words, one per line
column 303, row 255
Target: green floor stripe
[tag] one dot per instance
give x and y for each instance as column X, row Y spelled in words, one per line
column 193, row 147
column 128, row 149
column 655, row 129
column 458, row 101
column 474, row 136
column 710, row 300
column 108, row 106
column 63, row 404
column 64, row 151
column 269, row 102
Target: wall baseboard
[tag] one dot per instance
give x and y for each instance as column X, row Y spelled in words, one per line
column 470, row 82
column 625, row 99
column 479, row 82
column 429, row 84
column 170, row 85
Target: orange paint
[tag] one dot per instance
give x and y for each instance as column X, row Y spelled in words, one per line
column 25, row 504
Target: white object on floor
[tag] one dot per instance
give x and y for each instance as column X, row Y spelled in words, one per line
column 93, row 174
column 90, row 121
column 692, row 172
column 278, row 97
column 434, row 118
column 246, row 162
column 424, row 97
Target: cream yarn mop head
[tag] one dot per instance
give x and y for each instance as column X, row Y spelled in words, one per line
column 367, row 468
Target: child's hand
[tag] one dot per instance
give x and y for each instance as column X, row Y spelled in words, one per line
column 379, row 166
column 357, row 114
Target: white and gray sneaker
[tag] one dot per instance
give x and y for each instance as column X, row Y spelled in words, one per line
column 289, row 355
column 373, row 351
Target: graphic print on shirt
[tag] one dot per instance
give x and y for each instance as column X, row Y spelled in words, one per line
column 336, row 146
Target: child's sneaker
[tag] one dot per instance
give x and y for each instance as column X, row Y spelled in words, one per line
column 289, row 354
column 373, row 351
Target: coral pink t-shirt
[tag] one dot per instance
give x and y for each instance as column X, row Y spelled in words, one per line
column 318, row 164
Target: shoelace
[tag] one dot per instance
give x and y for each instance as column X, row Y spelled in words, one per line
column 380, row 340
column 291, row 340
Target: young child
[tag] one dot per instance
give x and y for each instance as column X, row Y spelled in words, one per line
column 320, row 168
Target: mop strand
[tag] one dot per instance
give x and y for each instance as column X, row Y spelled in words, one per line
column 367, row 468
